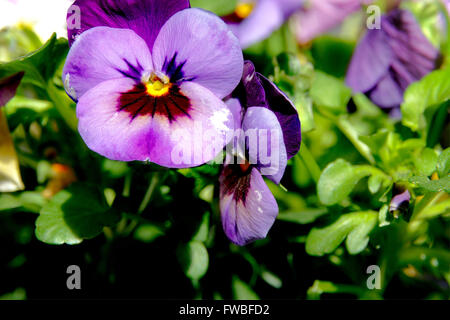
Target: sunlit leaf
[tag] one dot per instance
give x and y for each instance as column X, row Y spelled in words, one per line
column 353, row 226
column 77, row 213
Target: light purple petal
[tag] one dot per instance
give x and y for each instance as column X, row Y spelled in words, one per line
column 387, row 93
column 102, row 54
column 8, row 87
column 248, row 208
column 266, row 17
column 287, row 115
column 322, row 15
column 147, row 131
column 370, row 62
column 265, row 144
column 145, row 17
column 235, row 107
column 400, row 200
column 199, row 47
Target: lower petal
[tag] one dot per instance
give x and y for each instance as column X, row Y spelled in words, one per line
column 186, row 128
column 248, row 209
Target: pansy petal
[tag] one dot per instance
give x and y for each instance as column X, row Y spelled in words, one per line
column 287, row 115
column 145, row 17
column 387, row 94
column 267, row 17
column 195, row 45
column 102, row 54
column 248, row 208
column 8, row 87
column 320, row 16
column 265, row 142
column 120, row 122
column 370, row 61
column 400, row 200
column 254, row 93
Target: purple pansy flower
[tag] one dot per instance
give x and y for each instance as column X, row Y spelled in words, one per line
column 254, row 20
column 319, row 16
column 389, row 59
column 248, row 208
column 142, row 70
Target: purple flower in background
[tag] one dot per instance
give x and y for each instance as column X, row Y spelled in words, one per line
column 320, row 16
column 8, row 87
column 248, row 208
column 388, row 60
column 141, row 70
column 254, row 20
column 399, row 201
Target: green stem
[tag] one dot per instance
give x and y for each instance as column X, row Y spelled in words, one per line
column 310, row 163
column 346, row 128
column 63, row 105
column 148, row 195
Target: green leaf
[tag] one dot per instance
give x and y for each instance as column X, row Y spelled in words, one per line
column 332, row 55
column 148, row 233
column 271, row 279
column 423, row 98
column 302, row 217
column 338, row 180
column 353, row 226
column 242, row 291
column 330, row 92
column 319, row 287
column 194, row 259
column 425, row 183
column 443, row 163
column 77, row 213
column 40, row 65
column 219, row 7
column 426, row 162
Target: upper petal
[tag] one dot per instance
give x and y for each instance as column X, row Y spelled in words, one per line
column 195, row 45
column 145, row 17
column 248, row 208
column 287, row 115
column 102, row 54
column 186, row 128
column 370, row 62
column 265, row 142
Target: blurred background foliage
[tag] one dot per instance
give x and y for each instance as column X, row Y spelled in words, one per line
column 141, row 231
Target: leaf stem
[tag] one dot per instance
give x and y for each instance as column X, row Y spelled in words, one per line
column 310, row 163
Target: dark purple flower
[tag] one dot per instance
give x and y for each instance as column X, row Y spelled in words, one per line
column 143, row 70
column 389, row 59
column 247, row 206
column 8, row 87
column 254, row 20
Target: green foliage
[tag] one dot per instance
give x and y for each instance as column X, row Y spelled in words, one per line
column 77, row 213
column 354, row 226
column 423, row 98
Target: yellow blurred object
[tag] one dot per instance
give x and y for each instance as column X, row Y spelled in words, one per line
column 10, row 178
column 62, row 177
column 244, row 9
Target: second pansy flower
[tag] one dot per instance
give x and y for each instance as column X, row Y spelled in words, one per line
column 139, row 70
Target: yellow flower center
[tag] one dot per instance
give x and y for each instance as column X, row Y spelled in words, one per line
column 244, row 9
column 158, row 86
